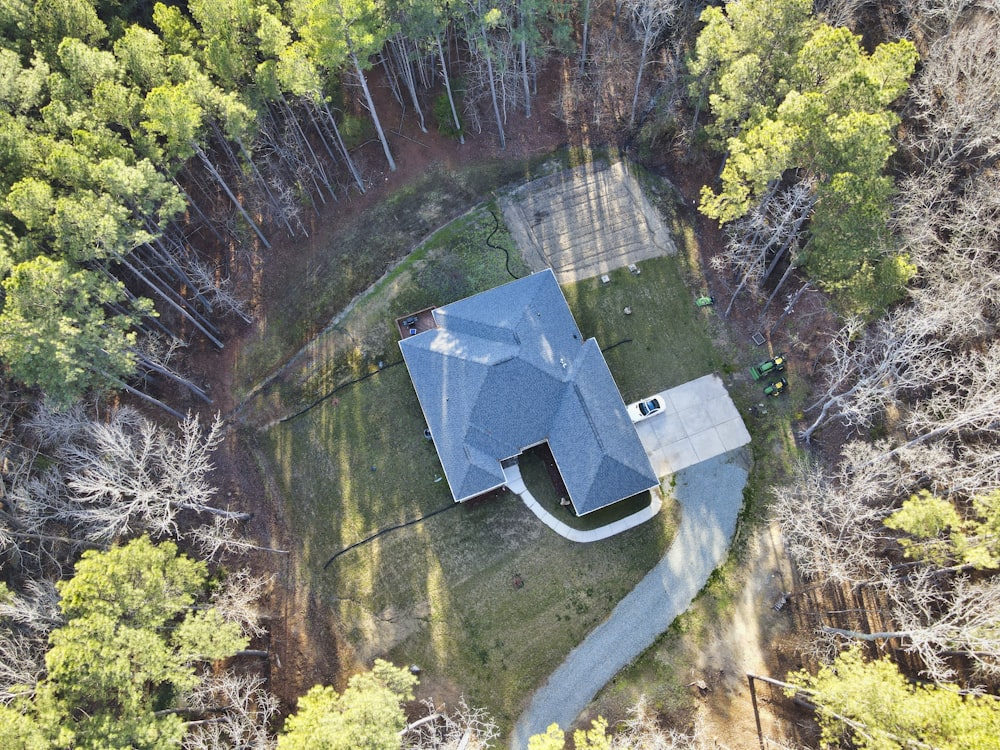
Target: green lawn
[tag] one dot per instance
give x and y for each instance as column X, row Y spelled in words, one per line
column 442, row 593
column 665, row 338
column 336, row 266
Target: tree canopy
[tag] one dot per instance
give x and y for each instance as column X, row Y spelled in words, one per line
column 795, row 99
column 129, row 647
column 871, row 703
column 56, row 330
column 367, row 716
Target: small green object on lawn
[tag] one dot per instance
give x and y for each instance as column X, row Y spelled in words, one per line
column 705, row 301
column 776, row 388
column 768, row 367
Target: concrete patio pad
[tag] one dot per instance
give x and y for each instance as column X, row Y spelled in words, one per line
column 699, row 421
column 584, row 222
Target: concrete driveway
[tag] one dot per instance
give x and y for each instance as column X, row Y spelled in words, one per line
column 710, row 495
column 699, row 421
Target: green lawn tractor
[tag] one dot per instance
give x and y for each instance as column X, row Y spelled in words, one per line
column 776, row 388
column 771, row 366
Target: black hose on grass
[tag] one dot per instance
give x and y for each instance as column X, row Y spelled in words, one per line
column 619, row 343
column 496, row 228
column 387, row 530
column 339, row 388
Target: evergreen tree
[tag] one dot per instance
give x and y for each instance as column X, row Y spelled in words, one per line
column 871, row 705
column 129, row 648
column 57, row 330
column 797, row 100
column 366, row 716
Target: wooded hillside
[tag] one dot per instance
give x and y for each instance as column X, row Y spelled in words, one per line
column 153, row 155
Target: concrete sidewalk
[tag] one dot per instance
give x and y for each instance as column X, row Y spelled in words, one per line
column 516, row 485
column 710, row 494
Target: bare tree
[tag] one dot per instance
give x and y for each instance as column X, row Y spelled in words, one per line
column 970, row 400
column 642, row 731
column 867, row 369
column 26, row 620
column 127, row 474
column 955, row 118
column 466, row 728
column 238, row 600
column 831, row 528
column 758, row 242
column 937, row 620
column 650, row 20
column 491, row 67
column 237, row 711
column 840, row 12
column 934, row 17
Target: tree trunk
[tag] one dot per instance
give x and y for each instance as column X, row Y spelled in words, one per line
column 166, row 298
column 343, row 148
column 858, row 635
column 167, row 372
column 777, row 288
column 202, row 508
column 447, row 88
column 523, row 48
column 638, row 78
column 493, row 89
column 788, row 308
column 166, row 289
column 398, row 49
column 372, row 112
column 190, row 202
column 311, row 111
column 392, row 77
column 225, row 187
column 306, row 147
column 139, row 394
column 585, row 36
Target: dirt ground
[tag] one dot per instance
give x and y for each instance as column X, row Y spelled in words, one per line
column 303, row 641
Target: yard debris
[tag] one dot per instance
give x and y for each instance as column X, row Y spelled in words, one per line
column 702, row 686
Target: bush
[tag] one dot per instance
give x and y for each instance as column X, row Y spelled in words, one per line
column 443, row 118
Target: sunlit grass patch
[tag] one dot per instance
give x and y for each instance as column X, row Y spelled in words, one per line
column 482, row 594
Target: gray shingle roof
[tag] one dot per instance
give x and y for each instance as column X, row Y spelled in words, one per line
column 508, row 369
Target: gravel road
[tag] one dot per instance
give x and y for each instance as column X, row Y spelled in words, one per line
column 711, row 496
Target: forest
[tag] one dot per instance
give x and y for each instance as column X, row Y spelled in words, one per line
column 160, row 163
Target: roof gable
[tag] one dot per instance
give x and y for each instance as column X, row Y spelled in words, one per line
column 507, row 369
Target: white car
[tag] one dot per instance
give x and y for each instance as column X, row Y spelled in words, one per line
column 644, row 409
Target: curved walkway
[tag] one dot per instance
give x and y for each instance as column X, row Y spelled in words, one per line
column 516, row 485
column 710, row 495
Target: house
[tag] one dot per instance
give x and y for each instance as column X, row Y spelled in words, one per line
column 508, row 369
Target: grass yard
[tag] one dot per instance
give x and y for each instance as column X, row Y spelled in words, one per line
column 482, row 596
column 665, row 342
column 335, row 266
